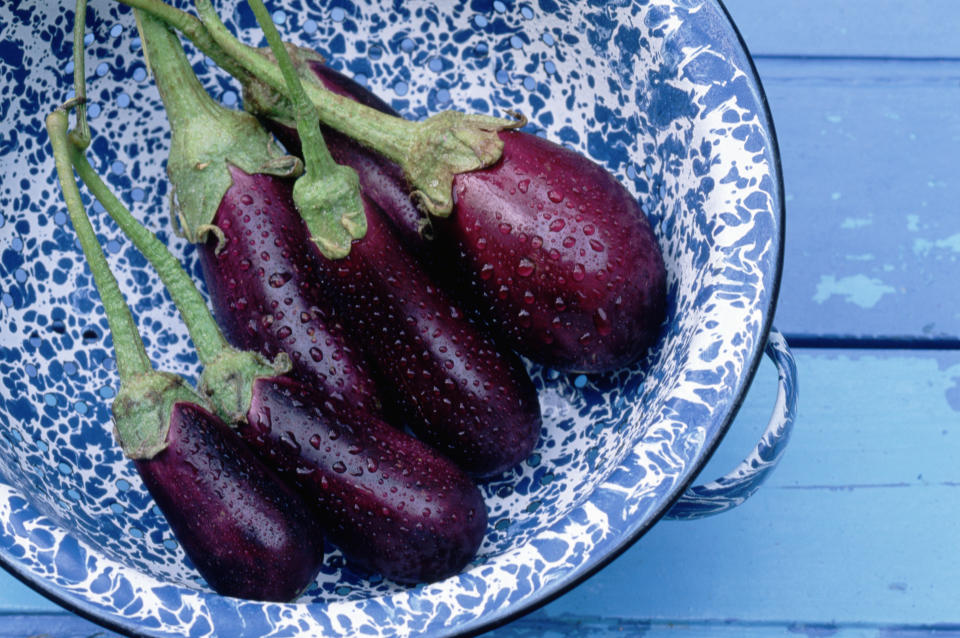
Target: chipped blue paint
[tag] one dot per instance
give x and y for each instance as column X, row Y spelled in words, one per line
column 859, row 290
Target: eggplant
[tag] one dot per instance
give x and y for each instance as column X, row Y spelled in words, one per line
column 261, row 275
column 248, row 534
column 246, row 531
column 404, row 511
column 390, row 503
column 437, row 371
column 548, row 249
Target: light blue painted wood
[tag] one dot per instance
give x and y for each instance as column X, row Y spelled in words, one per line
column 885, row 28
column 857, row 527
column 873, row 234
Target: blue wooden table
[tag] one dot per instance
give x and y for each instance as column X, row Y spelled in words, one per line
column 856, row 534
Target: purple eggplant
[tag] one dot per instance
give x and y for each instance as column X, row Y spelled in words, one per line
column 247, row 532
column 390, row 503
column 266, row 296
column 439, row 372
column 551, row 250
column 560, row 254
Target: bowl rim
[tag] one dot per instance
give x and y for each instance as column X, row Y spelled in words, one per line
column 83, row 608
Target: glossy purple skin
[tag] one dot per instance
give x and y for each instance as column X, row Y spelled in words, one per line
column 553, row 253
column 389, row 502
column 459, row 392
column 439, row 372
column 248, row 534
column 560, row 255
column 266, row 296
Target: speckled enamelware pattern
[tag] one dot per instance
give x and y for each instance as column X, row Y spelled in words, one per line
column 661, row 93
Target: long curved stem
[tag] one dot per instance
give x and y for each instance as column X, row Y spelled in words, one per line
column 80, row 135
column 390, row 135
column 132, row 358
column 327, row 195
column 204, row 332
column 191, row 27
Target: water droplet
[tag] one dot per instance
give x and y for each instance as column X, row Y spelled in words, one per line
column 505, row 228
column 559, row 304
column 585, row 338
column 339, row 467
column 290, row 439
column 284, row 332
column 482, row 243
column 264, row 420
column 602, row 322
column 246, row 199
column 315, row 441
column 596, row 245
column 245, row 264
column 528, row 297
column 554, row 254
column 579, row 272
column 523, row 185
column 486, row 271
column 523, row 318
column 372, row 465
column 555, row 196
column 503, row 291
column 557, row 225
column 569, row 242
column 316, row 354
column 277, row 279
column 589, row 229
column 525, row 267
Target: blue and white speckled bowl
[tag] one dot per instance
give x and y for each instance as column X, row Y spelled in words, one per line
column 662, row 93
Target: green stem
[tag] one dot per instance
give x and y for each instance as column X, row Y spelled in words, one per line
column 205, row 137
column 390, row 136
column 327, row 196
column 80, row 136
column 430, row 153
column 317, row 158
column 132, row 358
column 191, row 27
column 185, row 99
column 204, row 332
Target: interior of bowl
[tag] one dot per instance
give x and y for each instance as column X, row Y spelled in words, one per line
column 661, row 93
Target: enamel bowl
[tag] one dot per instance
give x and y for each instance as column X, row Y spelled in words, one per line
column 661, row 93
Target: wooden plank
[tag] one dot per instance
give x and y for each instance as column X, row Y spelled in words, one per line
column 880, row 28
column 856, row 529
column 56, row 625
column 873, row 234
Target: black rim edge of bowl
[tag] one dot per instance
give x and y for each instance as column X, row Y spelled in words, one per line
column 113, row 623
column 756, row 357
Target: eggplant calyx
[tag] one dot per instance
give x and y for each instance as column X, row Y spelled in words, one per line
column 142, row 411
column 228, row 381
column 446, row 144
column 333, row 210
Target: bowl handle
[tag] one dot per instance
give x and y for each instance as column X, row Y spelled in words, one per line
column 736, row 487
